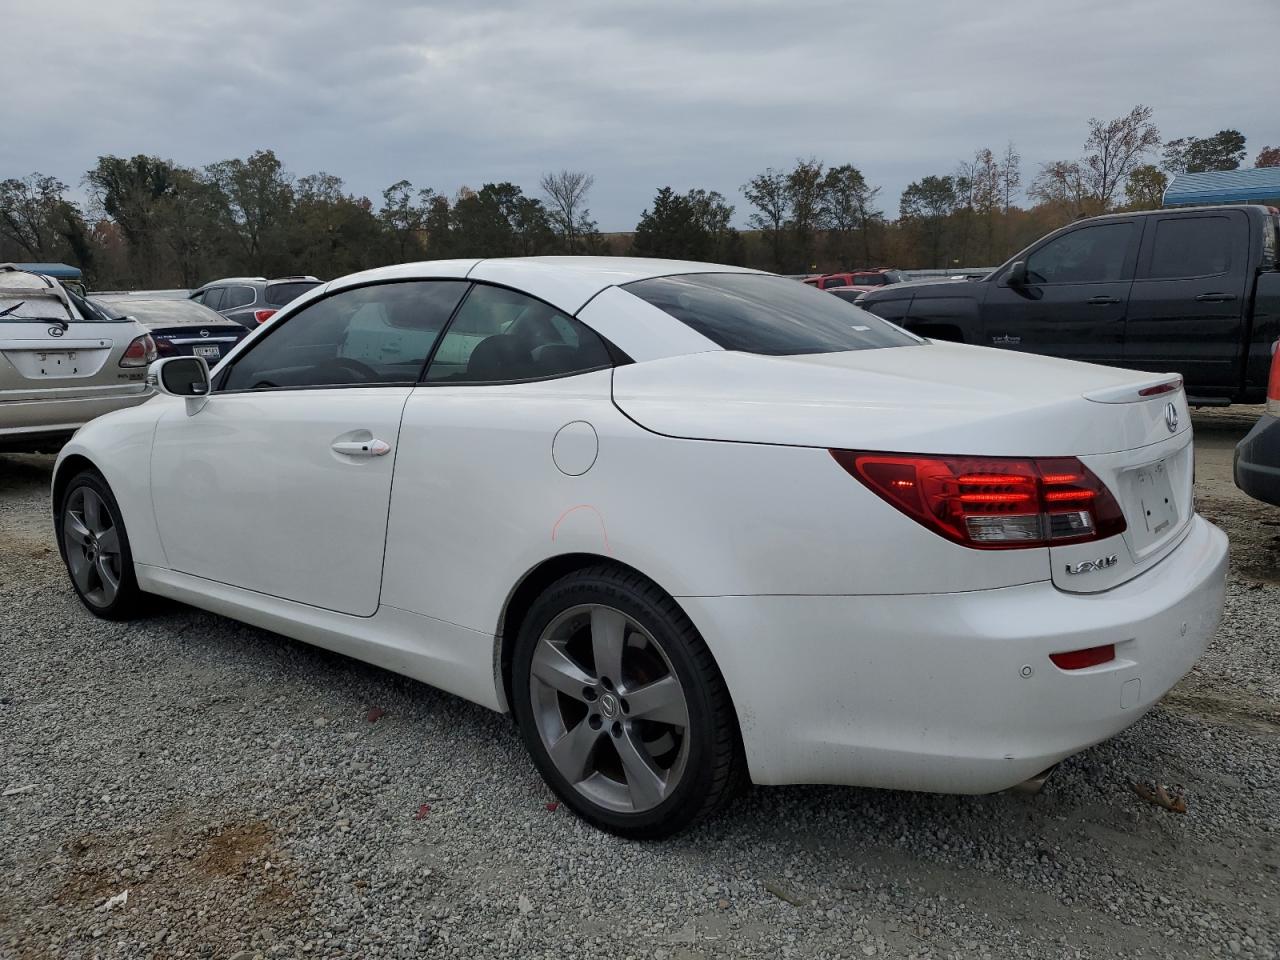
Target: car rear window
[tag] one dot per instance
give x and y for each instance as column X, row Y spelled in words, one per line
column 278, row 294
column 760, row 313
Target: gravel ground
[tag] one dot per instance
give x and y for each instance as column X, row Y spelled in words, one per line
column 234, row 785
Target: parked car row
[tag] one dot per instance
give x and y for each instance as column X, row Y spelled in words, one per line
column 67, row 356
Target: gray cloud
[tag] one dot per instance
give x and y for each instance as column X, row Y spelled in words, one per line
column 640, row 94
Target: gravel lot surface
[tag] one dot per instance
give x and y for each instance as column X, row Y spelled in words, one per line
column 231, row 782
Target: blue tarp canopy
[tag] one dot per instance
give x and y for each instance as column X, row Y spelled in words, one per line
column 59, row 271
column 1259, row 185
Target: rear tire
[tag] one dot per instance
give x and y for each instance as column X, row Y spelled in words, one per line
column 622, row 707
column 95, row 548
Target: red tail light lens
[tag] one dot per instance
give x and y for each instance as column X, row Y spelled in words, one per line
column 262, row 316
column 140, row 352
column 992, row 503
column 1080, row 659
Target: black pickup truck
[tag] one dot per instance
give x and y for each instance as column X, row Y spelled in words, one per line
column 1191, row 290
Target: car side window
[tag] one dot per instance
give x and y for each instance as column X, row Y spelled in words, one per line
column 379, row 334
column 1095, row 254
column 213, row 298
column 501, row 336
column 1191, row 247
column 833, row 282
column 233, row 297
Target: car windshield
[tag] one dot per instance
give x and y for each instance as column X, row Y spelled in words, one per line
column 17, row 307
column 278, row 294
column 156, row 313
column 766, row 314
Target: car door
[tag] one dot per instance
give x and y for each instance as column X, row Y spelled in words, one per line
column 280, row 482
column 1186, row 311
column 495, row 440
column 238, row 304
column 1074, row 302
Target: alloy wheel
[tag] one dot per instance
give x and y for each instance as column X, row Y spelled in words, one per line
column 609, row 708
column 92, row 543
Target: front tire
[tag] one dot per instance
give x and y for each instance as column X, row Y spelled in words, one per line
column 95, row 548
column 622, row 706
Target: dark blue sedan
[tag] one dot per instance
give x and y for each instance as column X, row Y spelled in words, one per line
column 179, row 327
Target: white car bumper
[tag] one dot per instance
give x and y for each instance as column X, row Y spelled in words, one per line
column 955, row 693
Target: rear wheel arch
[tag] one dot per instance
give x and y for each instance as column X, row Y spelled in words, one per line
column 526, row 592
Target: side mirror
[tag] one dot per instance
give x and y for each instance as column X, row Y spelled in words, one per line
column 180, row 376
column 1017, row 275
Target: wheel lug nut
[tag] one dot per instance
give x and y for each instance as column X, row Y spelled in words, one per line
column 616, row 729
column 622, row 702
column 595, row 722
column 606, row 683
column 588, row 694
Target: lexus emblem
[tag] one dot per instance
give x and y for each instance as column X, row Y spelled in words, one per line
column 1171, row 417
column 204, row 333
column 56, row 331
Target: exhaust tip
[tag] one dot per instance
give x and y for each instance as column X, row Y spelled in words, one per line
column 1033, row 785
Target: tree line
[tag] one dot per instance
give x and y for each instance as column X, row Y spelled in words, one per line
column 150, row 222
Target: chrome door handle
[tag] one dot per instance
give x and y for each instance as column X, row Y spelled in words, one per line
column 362, row 448
column 1216, row 297
column 1101, row 301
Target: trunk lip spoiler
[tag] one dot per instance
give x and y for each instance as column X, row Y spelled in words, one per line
column 1164, row 387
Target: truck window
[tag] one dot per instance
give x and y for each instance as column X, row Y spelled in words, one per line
column 1089, row 255
column 1191, row 247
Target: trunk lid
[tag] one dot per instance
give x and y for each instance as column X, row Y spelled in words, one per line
column 79, row 361
column 944, row 398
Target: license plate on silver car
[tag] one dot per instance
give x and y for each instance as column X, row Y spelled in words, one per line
column 207, row 352
column 1154, row 492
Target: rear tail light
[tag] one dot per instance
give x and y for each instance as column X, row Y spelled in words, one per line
column 140, row 352
column 992, row 503
column 1080, row 659
column 1273, row 382
column 164, row 348
column 262, row 316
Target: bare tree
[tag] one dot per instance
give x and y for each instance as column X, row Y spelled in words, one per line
column 1061, row 182
column 1010, row 174
column 566, row 194
column 767, row 192
column 1113, row 149
column 805, row 202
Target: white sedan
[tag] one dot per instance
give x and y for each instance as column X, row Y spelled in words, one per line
column 691, row 524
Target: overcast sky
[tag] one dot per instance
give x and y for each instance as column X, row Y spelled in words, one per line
column 640, row 94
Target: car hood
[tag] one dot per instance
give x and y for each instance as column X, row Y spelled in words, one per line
column 934, row 397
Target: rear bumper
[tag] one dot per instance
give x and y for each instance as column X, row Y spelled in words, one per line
column 955, row 693
column 1257, row 461
column 22, row 420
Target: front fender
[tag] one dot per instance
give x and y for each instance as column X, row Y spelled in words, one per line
column 118, row 446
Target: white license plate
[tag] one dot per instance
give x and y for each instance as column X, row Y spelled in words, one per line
column 210, row 352
column 1154, row 491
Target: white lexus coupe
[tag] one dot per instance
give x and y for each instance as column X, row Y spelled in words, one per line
column 690, row 524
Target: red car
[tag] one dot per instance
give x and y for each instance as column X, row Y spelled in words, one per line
column 856, row 278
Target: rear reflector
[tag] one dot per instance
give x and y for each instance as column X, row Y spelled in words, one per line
column 262, row 316
column 992, row 503
column 1079, row 659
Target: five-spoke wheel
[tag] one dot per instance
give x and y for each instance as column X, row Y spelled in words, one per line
column 94, row 544
column 622, row 706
